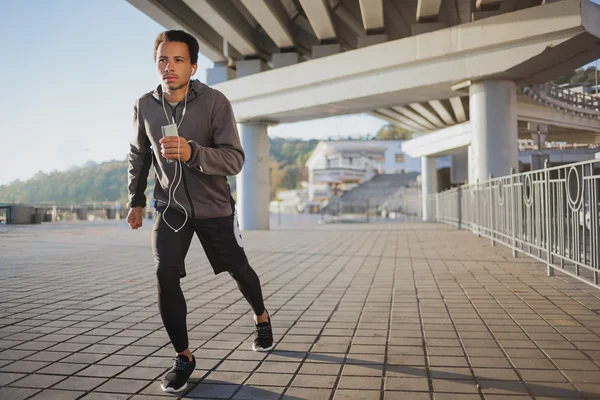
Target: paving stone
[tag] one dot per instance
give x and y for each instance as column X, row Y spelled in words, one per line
column 254, row 392
column 499, row 387
column 122, row 386
column 409, row 384
column 105, row 396
column 52, row 394
column 454, row 386
column 294, row 393
column 311, row 381
column 142, row 373
column 14, row 393
column 233, row 378
column 331, row 290
column 348, row 382
column 532, row 375
column 38, row 381
column 214, row 391
column 26, row 367
column 101, row 371
column 406, row 396
column 343, row 394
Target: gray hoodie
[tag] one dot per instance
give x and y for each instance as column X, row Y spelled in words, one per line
column 209, row 127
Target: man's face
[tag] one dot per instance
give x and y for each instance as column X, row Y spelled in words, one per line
column 173, row 64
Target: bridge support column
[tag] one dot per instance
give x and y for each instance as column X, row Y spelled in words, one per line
column 253, row 191
column 428, row 185
column 493, row 113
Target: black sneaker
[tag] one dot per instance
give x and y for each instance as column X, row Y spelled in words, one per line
column 263, row 336
column 176, row 379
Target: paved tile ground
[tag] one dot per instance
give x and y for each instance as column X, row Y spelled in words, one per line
column 361, row 312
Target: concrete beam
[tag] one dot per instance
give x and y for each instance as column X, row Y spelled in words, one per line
column 177, row 15
column 451, row 139
column 281, row 60
column 349, row 20
column 415, row 127
column 272, row 17
column 440, row 109
column 319, row 16
column 325, row 50
column 370, row 40
column 228, row 22
column 418, row 29
column 431, row 117
column 418, row 69
column 219, row 73
column 414, row 116
column 391, row 120
column 250, row 67
column 459, row 109
column 372, row 15
column 428, row 9
column 538, row 113
column 442, row 142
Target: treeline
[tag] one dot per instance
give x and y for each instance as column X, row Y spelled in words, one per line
column 579, row 76
column 91, row 182
column 108, row 181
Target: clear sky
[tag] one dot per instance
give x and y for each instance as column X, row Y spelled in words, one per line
column 74, row 71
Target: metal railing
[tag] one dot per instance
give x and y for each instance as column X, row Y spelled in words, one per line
column 552, row 215
column 564, row 99
column 571, row 97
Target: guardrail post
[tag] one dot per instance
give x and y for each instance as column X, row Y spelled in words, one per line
column 513, row 216
column 491, row 198
column 477, row 216
column 548, row 220
column 459, row 200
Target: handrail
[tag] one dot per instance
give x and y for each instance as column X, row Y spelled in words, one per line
column 571, row 97
column 564, row 98
column 552, row 215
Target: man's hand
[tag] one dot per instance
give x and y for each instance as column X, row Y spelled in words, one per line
column 169, row 148
column 134, row 218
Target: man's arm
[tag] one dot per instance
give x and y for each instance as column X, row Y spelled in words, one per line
column 139, row 160
column 227, row 157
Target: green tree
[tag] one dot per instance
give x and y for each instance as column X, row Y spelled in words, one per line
column 392, row 132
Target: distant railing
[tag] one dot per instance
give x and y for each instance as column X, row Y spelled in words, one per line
column 577, row 99
column 550, row 214
column 565, row 99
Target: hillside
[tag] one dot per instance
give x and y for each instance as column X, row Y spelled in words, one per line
column 108, row 181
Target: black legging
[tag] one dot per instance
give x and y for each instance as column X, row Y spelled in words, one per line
column 224, row 253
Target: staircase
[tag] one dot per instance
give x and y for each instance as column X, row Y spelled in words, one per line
column 377, row 190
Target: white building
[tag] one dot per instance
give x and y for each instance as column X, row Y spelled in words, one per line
column 343, row 164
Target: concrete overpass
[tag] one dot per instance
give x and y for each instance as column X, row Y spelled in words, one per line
column 414, row 63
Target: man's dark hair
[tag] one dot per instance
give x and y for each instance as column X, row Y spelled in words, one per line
column 178, row 36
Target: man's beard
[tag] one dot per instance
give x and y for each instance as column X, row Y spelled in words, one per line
column 175, row 88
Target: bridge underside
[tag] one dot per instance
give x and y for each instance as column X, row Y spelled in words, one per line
column 285, row 61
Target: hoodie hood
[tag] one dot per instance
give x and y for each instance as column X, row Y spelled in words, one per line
column 196, row 89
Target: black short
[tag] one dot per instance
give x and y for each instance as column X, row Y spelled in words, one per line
column 220, row 238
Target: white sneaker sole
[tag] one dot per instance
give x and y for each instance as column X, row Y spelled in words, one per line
column 260, row 349
column 171, row 390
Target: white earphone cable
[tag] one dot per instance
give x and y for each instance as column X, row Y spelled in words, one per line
column 178, row 163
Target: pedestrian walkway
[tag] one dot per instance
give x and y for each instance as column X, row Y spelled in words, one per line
column 361, row 311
